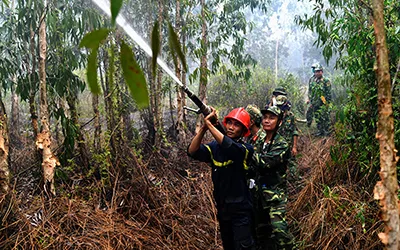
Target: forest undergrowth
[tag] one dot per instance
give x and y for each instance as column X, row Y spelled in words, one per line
column 331, row 208
column 165, row 202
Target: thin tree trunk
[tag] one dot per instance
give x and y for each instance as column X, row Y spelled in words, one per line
column 184, row 79
column 43, row 141
column 4, row 150
column 32, row 90
column 109, row 98
column 276, row 60
column 149, row 118
column 180, row 126
column 126, row 111
column 83, row 151
column 385, row 190
column 171, row 106
column 105, row 87
column 97, row 125
column 14, row 112
column 203, row 63
column 158, row 121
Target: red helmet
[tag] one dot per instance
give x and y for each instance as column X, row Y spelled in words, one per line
column 240, row 115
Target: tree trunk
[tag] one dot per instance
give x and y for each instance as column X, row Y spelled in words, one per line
column 276, row 60
column 171, row 107
column 32, row 90
column 4, row 147
column 148, row 116
column 385, row 190
column 110, row 97
column 43, row 140
column 14, row 113
column 126, row 111
column 184, row 78
column 180, row 126
column 83, row 151
column 203, row 63
column 97, row 125
column 158, row 121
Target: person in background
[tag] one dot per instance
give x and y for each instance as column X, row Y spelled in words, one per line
column 255, row 123
column 229, row 157
column 319, row 98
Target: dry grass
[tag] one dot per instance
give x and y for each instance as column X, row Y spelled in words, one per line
column 164, row 204
column 167, row 203
column 332, row 211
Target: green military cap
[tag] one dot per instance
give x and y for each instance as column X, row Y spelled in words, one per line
column 315, row 65
column 255, row 113
column 279, row 91
column 318, row 67
column 272, row 109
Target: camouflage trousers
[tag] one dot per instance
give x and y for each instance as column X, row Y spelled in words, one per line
column 322, row 118
column 271, row 228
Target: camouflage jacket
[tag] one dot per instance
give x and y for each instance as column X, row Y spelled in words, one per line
column 252, row 139
column 317, row 89
column 289, row 129
column 271, row 162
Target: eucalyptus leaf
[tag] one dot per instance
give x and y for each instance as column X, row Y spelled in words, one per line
column 176, row 46
column 115, row 8
column 91, row 72
column 6, row 3
column 155, row 45
column 93, row 39
column 134, row 76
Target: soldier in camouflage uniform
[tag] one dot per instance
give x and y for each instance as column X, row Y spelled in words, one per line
column 277, row 91
column 270, row 160
column 255, row 123
column 319, row 95
column 288, row 129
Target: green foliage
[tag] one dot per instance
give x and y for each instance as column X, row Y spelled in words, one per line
column 134, row 76
column 227, row 30
column 93, row 39
column 175, row 47
column 115, row 8
column 70, row 133
column 226, row 93
column 336, row 25
column 91, row 72
column 132, row 72
column 103, row 163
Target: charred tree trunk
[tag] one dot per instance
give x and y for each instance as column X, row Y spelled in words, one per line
column 83, row 151
column 4, row 150
column 32, row 90
column 149, row 115
column 203, row 63
column 43, row 140
column 386, row 190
